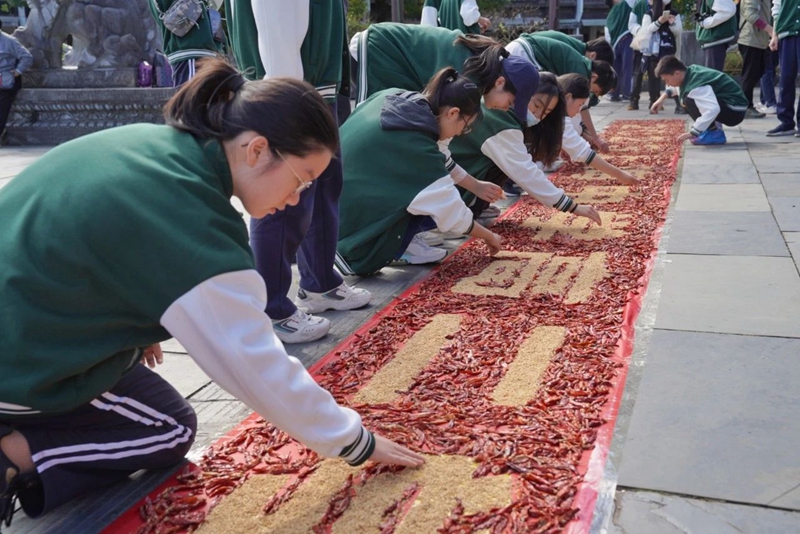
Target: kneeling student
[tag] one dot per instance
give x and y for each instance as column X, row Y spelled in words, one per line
column 709, row 96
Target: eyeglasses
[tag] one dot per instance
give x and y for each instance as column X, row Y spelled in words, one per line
column 467, row 129
column 303, row 185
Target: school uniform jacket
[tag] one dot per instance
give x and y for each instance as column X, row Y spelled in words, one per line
column 459, row 15
column 787, row 17
column 720, row 26
column 405, row 56
column 498, row 140
column 617, row 22
column 302, row 39
column 197, row 43
column 708, row 87
column 550, row 55
column 393, row 169
column 102, row 258
column 576, row 44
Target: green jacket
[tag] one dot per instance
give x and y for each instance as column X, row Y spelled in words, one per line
column 723, row 33
column 384, row 170
column 405, row 56
column 450, row 17
column 198, row 42
column 617, row 21
column 324, row 55
column 553, row 56
column 725, row 88
column 94, row 250
column 576, row 44
column 787, row 23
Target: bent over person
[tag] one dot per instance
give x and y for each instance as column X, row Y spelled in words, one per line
column 142, row 244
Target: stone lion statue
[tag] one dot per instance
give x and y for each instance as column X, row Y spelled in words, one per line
column 105, row 33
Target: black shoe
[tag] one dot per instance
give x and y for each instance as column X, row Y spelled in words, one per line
column 783, row 129
column 679, row 110
column 9, row 486
column 614, row 99
column 633, row 106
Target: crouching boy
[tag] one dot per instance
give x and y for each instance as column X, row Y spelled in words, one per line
column 711, row 98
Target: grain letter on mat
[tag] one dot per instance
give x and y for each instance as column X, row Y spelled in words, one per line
column 504, row 277
column 603, row 194
column 614, row 225
column 242, row 510
column 522, row 378
column 413, row 357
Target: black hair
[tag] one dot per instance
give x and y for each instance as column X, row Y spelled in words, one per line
column 475, row 42
column 485, row 68
column 544, row 139
column 606, row 76
column 669, row 65
column 575, row 84
column 448, row 88
column 218, row 103
column 602, row 49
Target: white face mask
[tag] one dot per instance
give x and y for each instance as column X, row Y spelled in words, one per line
column 531, row 120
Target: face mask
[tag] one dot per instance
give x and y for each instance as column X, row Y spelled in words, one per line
column 531, row 120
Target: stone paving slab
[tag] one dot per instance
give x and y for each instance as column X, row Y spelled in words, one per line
column 182, row 372
column 722, row 197
column 793, row 241
column 719, row 173
column 718, row 420
column 646, row 512
column 730, row 294
column 724, row 233
column 781, row 185
column 787, row 212
column 775, row 164
column 790, row 500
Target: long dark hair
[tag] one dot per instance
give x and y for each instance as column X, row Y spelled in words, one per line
column 544, row 139
column 219, row 104
column 448, row 88
column 606, row 76
column 484, row 65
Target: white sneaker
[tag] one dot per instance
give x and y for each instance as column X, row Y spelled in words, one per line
column 301, row 327
column 433, row 239
column 770, row 110
column 419, row 253
column 343, row 297
column 553, row 167
column 450, row 235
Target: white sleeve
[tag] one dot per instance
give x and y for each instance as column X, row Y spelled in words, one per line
column 574, row 145
column 516, row 49
column 282, row 27
column 633, row 24
column 677, row 27
column 708, row 106
column 507, row 150
column 444, row 205
column 650, row 24
column 776, row 8
column 430, row 16
column 457, row 172
column 470, row 12
column 222, row 324
column 607, row 35
column 723, row 11
column 353, row 47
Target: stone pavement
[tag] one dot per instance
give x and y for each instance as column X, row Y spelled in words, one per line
column 706, row 437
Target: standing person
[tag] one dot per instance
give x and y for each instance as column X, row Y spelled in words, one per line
column 78, row 411
column 619, row 36
column 498, row 149
column 14, row 61
column 639, row 68
column 397, row 180
column 305, row 40
column 183, row 51
column 463, row 15
column 754, row 37
column 787, row 32
column 597, row 49
column 711, row 98
column 716, row 30
column 766, row 97
column 664, row 27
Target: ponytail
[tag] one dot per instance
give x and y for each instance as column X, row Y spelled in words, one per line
column 486, row 67
column 475, row 42
column 219, row 103
column 448, row 88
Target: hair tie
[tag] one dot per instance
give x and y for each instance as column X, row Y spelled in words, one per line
column 238, row 83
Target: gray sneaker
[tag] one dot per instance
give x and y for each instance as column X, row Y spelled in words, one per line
column 781, row 130
column 753, row 113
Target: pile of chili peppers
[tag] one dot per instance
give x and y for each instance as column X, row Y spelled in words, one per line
column 448, row 409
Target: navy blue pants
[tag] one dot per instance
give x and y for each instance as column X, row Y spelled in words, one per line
column 727, row 116
column 715, row 56
column 140, row 423
column 790, row 61
column 418, row 223
column 768, row 79
column 182, row 72
column 309, row 231
column 623, row 65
